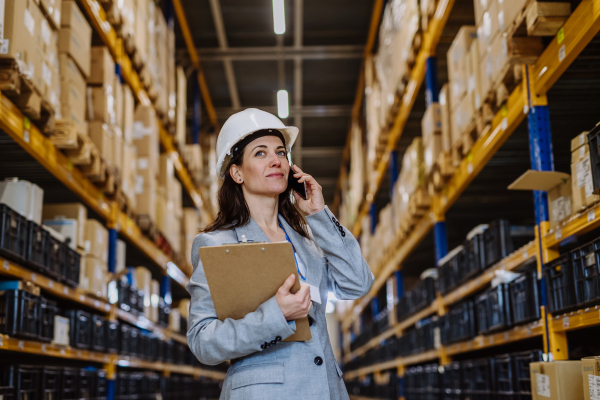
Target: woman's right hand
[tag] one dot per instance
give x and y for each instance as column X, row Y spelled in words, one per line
column 293, row 306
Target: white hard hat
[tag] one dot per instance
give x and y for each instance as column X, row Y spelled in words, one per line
column 244, row 123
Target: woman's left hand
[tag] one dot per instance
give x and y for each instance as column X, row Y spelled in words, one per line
column 314, row 193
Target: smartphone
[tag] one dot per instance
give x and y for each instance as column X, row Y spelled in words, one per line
column 298, row 187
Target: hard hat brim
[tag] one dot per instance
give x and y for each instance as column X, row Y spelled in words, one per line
column 290, row 133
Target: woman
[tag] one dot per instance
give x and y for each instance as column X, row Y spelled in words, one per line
column 255, row 205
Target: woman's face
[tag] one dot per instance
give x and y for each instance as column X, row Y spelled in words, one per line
column 264, row 170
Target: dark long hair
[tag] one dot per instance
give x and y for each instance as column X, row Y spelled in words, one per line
column 234, row 211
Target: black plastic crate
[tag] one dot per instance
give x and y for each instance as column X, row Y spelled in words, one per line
column 19, row 313
column 593, row 138
column 124, row 291
column 86, row 383
column 493, row 309
column 25, row 380
column 498, row 243
column 560, row 285
column 504, row 385
column 48, row 310
column 521, row 375
column 478, row 376
column 112, row 336
column 80, row 328
column 135, row 342
column 69, row 383
column 50, row 383
column 474, row 259
column 586, row 270
column 524, row 298
column 99, row 385
column 13, row 233
column 36, row 250
column 98, row 333
column 69, row 271
column 458, row 324
column 7, row 393
column 125, row 339
column 122, row 385
column 424, row 294
column 451, row 382
column 164, row 310
column 56, row 257
column 450, row 270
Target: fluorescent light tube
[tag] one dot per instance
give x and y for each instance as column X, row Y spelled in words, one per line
column 278, row 17
column 283, row 109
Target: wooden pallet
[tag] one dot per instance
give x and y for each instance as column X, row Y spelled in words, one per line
column 95, row 171
column 67, row 134
column 419, row 202
column 82, row 154
column 147, row 226
column 443, row 170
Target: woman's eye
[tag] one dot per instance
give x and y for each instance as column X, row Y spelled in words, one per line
column 260, row 153
column 282, row 153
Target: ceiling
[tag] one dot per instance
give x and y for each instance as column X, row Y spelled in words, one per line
column 317, row 61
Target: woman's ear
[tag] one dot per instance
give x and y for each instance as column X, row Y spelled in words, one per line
column 236, row 173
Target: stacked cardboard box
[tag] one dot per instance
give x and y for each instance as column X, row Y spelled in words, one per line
column 143, row 279
column 74, row 64
column 190, row 228
column 69, row 219
column 24, row 197
column 94, row 276
column 581, row 173
column 558, row 380
column 168, row 205
column 181, row 106
column 145, row 142
column 431, row 128
column 461, row 105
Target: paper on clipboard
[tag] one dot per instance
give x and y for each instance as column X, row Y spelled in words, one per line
column 243, row 276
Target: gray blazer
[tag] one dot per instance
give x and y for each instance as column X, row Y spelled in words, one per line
column 266, row 367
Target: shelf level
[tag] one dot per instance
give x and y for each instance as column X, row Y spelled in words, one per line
column 515, row 334
column 9, row 268
column 8, row 343
column 583, row 318
column 578, row 225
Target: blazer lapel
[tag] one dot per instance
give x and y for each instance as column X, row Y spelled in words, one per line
column 252, row 231
column 308, row 253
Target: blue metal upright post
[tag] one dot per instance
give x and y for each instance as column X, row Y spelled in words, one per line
column 542, row 159
column 112, row 250
column 440, row 239
column 197, row 111
column 431, row 81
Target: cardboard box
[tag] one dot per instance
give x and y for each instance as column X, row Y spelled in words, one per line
column 489, row 27
column 480, row 7
column 67, row 227
column 145, row 134
column 128, row 170
column 141, row 29
column 52, row 10
column 70, row 42
column 175, row 320
column 96, row 240
column 128, row 114
column 474, row 80
column 102, row 67
column 431, row 124
column 166, row 171
column 24, row 197
column 121, row 253
column 72, row 17
column 432, row 149
column 445, row 118
column 508, row 11
column 144, row 283
column 145, row 199
column 72, row 90
column 486, row 73
column 582, row 178
column 590, row 368
column 75, row 211
column 579, row 141
column 119, row 111
column 558, row 187
column 461, row 118
column 154, row 299
column 118, row 151
column 102, row 106
column 456, row 57
column 93, row 276
column 103, row 137
column 511, row 51
column 557, row 380
column 19, row 31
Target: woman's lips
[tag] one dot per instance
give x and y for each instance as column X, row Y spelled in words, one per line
column 275, row 175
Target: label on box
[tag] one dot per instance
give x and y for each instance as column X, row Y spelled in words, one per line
column 543, row 385
column 4, row 46
column 562, row 53
column 592, row 385
column 583, row 169
column 46, row 32
column 29, row 22
column 501, row 19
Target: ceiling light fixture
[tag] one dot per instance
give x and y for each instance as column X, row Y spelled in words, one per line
column 278, row 17
column 283, row 108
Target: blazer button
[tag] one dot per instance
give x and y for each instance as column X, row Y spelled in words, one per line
column 318, row 360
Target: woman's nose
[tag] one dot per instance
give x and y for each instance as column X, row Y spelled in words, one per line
column 274, row 161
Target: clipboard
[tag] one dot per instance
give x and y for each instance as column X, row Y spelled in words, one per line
column 243, row 276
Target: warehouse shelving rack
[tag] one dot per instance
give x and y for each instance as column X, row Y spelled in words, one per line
column 527, row 100
column 30, row 138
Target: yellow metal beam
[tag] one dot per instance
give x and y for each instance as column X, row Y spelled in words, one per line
column 195, row 59
column 430, row 41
